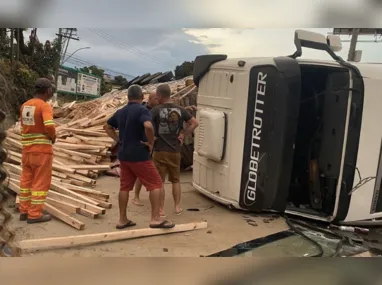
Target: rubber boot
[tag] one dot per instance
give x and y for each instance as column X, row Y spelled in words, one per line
column 42, row 219
column 23, row 217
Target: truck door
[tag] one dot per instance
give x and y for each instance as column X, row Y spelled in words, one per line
column 271, row 124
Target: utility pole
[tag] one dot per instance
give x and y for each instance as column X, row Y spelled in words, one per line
column 59, row 60
column 353, row 44
column 64, row 36
column 12, row 38
column 18, row 44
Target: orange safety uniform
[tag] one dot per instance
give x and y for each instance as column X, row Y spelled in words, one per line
column 37, row 132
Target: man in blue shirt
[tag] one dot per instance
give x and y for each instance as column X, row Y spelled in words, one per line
column 151, row 103
column 136, row 138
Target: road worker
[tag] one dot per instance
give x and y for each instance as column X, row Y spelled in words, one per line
column 38, row 135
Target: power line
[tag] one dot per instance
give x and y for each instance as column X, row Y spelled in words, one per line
column 83, row 63
column 125, row 46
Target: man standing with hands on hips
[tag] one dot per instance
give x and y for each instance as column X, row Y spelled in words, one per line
column 150, row 104
column 136, row 138
column 168, row 119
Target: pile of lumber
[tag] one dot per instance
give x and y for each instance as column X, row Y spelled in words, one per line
column 65, row 200
column 80, row 155
column 110, row 102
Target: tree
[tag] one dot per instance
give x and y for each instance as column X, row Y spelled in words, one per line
column 184, row 70
column 105, row 87
column 120, row 80
column 17, row 79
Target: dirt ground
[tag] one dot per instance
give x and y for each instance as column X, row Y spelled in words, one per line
column 226, row 228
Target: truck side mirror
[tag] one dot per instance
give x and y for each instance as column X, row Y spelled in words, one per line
column 303, row 38
column 334, row 42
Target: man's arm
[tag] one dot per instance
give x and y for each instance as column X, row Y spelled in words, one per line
column 49, row 125
column 191, row 122
column 149, row 132
column 110, row 127
column 146, row 120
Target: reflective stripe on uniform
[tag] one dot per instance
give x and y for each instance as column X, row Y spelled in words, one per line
column 34, row 142
column 39, row 193
column 24, row 198
column 37, row 202
column 32, row 136
column 49, row 123
column 24, row 190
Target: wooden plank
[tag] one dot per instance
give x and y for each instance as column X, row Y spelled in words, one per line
column 54, row 178
column 73, row 201
column 103, row 204
column 60, row 189
column 85, row 132
column 81, row 240
column 87, row 213
column 14, row 158
column 59, row 174
column 82, row 178
column 17, row 202
column 12, row 186
column 87, row 190
column 14, row 176
column 73, row 153
column 89, row 167
column 14, row 153
column 76, row 122
column 14, row 142
column 68, row 208
column 14, row 168
column 63, row 169
column 64, row 217
column 77, row 183
column 13, row 135
column 78, row 146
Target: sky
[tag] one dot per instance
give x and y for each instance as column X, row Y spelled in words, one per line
column 133, row 52
column 135, row 37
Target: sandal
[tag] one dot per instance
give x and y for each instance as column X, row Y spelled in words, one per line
column 127, row 225
column 163, row 225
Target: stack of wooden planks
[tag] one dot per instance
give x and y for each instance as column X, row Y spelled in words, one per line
column 81, row 155
column 65, row 200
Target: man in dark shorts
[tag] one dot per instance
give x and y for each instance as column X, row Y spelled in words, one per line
column 136, row 138
column 151, row 103
column 168, row 119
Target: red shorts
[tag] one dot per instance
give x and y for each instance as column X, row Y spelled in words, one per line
column 145, row 171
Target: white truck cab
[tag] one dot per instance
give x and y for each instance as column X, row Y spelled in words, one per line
column 285, row 134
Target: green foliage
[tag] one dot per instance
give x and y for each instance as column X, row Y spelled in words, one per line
column 17, row 79
column 45, row 59
column 105, row 87
column 16, row 86
column 184, row 70
column 120, row 80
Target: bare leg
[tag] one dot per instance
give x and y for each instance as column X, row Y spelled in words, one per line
column 162, row 198
column 176, row 193
column 155, row 196
column 138, row 187
column 123, row 199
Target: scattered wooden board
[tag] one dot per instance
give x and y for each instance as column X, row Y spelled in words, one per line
column 64, row 217
column 81, row 240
